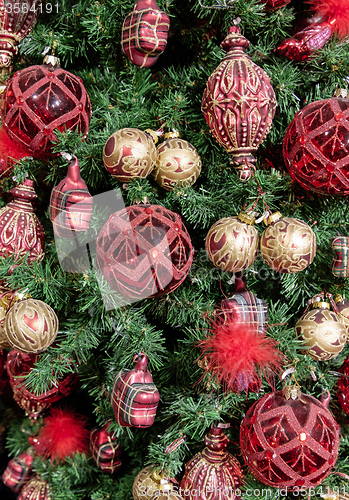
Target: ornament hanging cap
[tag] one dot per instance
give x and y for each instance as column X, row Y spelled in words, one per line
column 247, row 218
column 269, row 219
column 336, row 12
column 342, row 93
column 235, row 40
column 52, row 61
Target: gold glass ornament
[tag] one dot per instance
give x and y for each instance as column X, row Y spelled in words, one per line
column 178, row 163
column 323, row 332
column 130, row 154
column 232, row 243
column 7, row 298
column 288, row 245
column 31, row 326
column 149, row 482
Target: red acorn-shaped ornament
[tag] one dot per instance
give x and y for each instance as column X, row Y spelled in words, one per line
column 105, row 450
column 71, row 204
column 289, row 440
column 18, row 471
column 20, row 230
column 134, row 397
column 144, row 33
column 239, row 103
column 39, row 99
column 214, row 470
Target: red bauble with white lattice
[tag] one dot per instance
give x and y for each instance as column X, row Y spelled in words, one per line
column 289, row 440
column 144, row 251
column 39, row 99
column 316, row 147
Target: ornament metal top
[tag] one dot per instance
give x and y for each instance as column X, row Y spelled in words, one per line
column 239, row 103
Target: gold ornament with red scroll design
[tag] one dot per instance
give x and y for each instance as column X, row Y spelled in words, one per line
column 288, row 245
column 323, row 332
column 31, row 326
column 178, row 163
column 232, row 245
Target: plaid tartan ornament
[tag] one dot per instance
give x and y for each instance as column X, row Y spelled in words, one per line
column 144, row 33
column 18, row 471
column 340, row 262
column 134, row 397
column 105, row 450
column 71, row 204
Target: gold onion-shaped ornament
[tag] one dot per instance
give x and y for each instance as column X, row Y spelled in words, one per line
column 323, row 331
column 232, row 243
column 239, row 103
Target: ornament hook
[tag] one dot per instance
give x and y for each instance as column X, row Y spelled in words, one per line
column 221, row 4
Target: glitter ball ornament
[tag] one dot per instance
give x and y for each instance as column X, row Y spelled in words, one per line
column 135, row 397
column 289, row 440
column 288, row 245
column 178, row 163
column 150, row 481
column 39, row 99
column 239, row 103
column 144, row 251
column 316, row 147
column 232, row 243
column 323, row 332
column 35, row 489
column 343, row 386
column 71, row 204
column 21, row 233
column 18, row 366
column 213, row 470
column 18, row 471
column 340, row 262
column 31, row 326
column 144, row 33
column 105, row 450
column 129, row 154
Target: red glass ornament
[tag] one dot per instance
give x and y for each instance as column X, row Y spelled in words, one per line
column 144, row 251
column 71, row 204
column 20, row 230
column 303, row 44
column 135, row 398
column 18, row 366
column 18, row 471
column 35, row 489
column 105, row 450
column 39, row 99
column 275, row 4
column 343, row 386
column 239, row 103
column 144, row 33
column 214, row 472
column 316, row 147
column 15, row 24
column 289, row 441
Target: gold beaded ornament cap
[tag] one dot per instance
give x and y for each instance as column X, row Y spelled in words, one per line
column 31, row 326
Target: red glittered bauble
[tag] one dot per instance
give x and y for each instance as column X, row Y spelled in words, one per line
column 144, row 251
column 39, row 99
column 213, row 473
column 18, row 366
column 289, row 440
column 316, row 147
column 343, row 386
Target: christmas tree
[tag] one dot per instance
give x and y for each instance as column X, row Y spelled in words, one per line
column 103, row 320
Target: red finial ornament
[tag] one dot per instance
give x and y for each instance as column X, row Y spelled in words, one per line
column 239, row 103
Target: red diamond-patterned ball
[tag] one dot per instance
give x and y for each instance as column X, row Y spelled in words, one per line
column 289, row 443
column 343, row 386
column 316, row 147
column 39, row 99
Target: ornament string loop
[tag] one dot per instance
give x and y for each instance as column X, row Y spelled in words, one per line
column 221, row 4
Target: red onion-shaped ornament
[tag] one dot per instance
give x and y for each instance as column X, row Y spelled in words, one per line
column 39, row 99
column 35, row 489
column 239, row 103
column 20, row 230
column 71, row 204
column 144, row 33
column 135, row 397
column 289, row 440
column 213, row 473
column 105, row 450
column 18, row 471
column 316, row 146
column 144, row 251
column 18, row 366
column 16, row 22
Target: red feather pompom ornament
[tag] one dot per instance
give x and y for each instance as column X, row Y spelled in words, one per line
column 10, row 152
column 336, row 12
column 62, row 434
column 237, row 356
